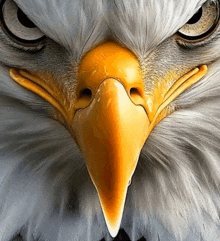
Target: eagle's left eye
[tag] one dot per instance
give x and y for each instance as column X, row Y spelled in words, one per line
column 202, row 24
column 17, row 25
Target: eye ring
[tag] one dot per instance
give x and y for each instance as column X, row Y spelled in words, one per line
column 8, row 32
column 206, row 34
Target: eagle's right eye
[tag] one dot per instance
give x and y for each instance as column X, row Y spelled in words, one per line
column 17, row 25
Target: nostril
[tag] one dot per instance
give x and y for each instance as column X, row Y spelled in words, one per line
column 86, row 93
column 84, row 98
column 136, row 96
column 134, row 92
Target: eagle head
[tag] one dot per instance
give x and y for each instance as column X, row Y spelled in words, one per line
column 109, row 112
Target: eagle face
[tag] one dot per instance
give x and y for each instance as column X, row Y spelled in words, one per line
column 109, row 119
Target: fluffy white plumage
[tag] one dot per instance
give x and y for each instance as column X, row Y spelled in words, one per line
column 46, row 192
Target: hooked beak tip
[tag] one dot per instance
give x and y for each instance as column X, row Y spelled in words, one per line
column 113, row 227
column 113, row 231
column 113, row 208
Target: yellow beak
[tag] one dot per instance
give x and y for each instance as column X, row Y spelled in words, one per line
column 113, row 126
column 111, row 118
column 111, row 133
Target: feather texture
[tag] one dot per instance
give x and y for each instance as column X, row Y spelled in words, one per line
column 46, row 192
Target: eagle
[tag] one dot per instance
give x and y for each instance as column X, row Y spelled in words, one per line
column 109, row 120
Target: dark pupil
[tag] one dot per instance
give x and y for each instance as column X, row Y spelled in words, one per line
column 196, row 17
column 24, row 20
